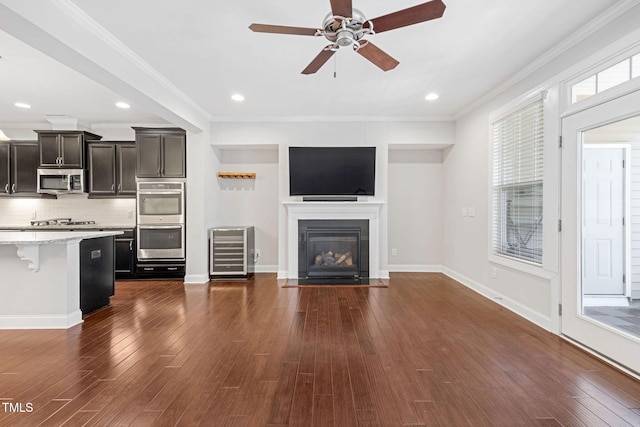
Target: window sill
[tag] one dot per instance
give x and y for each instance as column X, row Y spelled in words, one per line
column 522, row 266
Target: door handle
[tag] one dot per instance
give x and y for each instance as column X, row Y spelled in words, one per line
column 113, row 186
column 13, row 188
column 6, row 188
column 130, row 245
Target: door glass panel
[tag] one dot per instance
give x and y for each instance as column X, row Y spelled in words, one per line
column 161, row 238
column 160, row 204
column 610, row 241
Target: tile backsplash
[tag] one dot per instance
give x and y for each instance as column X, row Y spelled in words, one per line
column 20, row 211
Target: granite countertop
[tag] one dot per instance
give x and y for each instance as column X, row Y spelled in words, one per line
column 64, row 227
column 36, row 238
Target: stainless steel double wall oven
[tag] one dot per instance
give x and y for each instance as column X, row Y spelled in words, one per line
column 161, row 225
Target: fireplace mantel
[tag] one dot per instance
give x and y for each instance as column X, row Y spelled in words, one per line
column 333, row 210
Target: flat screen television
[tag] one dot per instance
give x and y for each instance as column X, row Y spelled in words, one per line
column 332, row 171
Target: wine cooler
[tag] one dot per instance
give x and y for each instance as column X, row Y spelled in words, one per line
column 231, row 252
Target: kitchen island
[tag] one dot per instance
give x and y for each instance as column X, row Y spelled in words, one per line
column 41, row 279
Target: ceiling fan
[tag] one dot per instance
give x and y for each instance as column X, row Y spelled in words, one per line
column 346, row 26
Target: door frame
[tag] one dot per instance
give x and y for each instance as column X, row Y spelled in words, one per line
column 615, row 345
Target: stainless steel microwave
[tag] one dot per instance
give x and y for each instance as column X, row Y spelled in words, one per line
column 60, row 181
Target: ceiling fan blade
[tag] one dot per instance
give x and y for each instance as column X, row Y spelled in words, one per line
column 319, row 61
column 342, row 8
column 377, row 56
column 281, row 29
column 413, row 15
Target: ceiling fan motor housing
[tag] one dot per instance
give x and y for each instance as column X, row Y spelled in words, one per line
column 344, row 31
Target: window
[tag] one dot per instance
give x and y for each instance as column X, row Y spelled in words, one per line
column 518, row 142
column 606, row 79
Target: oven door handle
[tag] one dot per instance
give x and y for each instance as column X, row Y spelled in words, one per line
column 164, row 227
column 155, row 193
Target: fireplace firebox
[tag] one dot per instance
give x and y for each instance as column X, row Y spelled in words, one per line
column 333, row 250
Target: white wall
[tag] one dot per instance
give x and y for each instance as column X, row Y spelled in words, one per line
column 259, row 203
column 466, row 184
column 415, row 209
column 242, row 202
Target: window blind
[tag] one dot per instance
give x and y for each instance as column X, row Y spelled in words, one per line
column 518, row 142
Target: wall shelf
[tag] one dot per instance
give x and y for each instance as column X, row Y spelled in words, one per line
column 237, row 175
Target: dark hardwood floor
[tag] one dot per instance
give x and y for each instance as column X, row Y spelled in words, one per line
column 424, row 351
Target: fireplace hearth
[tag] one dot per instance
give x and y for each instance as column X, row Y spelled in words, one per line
column 333, row 251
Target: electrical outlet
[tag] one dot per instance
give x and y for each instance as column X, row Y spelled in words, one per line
column 34, row 215
column 130, row 214
column 394, row 252
column 471, row 212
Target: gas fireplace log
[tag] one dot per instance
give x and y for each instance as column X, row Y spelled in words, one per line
column 333, row 258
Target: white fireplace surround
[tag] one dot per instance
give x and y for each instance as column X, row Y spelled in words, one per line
column 333, row 210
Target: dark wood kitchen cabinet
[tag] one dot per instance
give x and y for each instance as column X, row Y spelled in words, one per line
column 126, row 254
column 161, row 152
column 97, row 273
column 63, row 149
column 18, row 166
column 112, row 168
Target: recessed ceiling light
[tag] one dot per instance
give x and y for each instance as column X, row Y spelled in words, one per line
column 432, row 97
column 22, row 105
column 237, row 97
column 123, row 105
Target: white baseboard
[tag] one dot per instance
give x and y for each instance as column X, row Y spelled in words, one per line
column 56, row 321
column 635, row 294
column 266, row 269
column 196, row 279
column 531, row 315
column 414, row 268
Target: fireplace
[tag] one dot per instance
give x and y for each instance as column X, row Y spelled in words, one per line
column 333, row 250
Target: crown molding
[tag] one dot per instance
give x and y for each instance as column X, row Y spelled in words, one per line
column 324, row 119
column 78, row 16
column 580, row 35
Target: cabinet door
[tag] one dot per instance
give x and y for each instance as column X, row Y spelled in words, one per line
column 5, row 186
column 49, row 150
column 124, row 257
column 126, row 169
column 24, row 166
column 102, row 169
column 148, row 155
column 174, row 156
column 71, row 150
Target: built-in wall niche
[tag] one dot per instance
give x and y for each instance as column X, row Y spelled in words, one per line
column 418, row 153
column 231, row 154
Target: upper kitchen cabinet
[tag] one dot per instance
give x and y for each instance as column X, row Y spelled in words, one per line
column 63, row 149
column 18, row 166
column 161, row 152
column 112, row 169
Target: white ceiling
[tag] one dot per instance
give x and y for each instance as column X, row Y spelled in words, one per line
column 204, row 49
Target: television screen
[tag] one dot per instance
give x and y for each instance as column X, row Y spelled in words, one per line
column 332, row 171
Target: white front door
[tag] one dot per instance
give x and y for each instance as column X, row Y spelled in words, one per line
column 612, row 342
column 603, row 187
